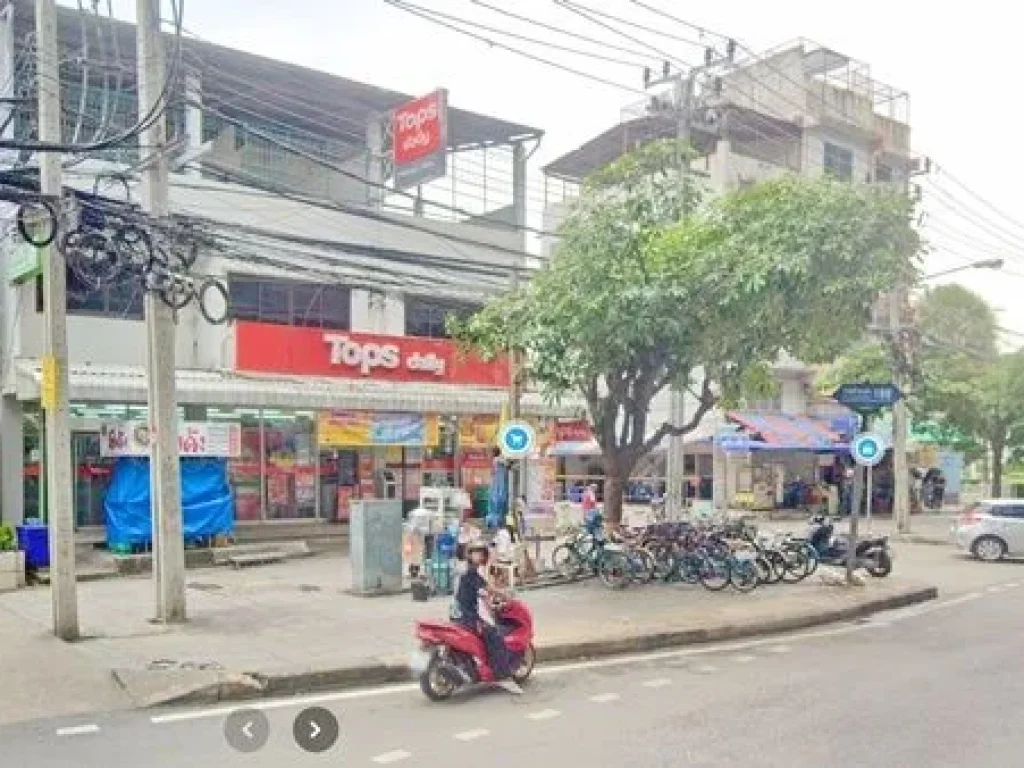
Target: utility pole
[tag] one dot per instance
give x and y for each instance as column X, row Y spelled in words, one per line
column 165, row 469
column 54, row 394
column 515, row 401
column 900, row 426
column 683, row 93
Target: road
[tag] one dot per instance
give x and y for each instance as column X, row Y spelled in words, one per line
column 934, row 685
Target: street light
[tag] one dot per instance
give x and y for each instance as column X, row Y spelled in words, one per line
column 983, row 264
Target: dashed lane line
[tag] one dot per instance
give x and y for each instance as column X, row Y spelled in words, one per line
column 743, row 658
column 473, row 735
column 605, row 698
column 544, row 714
column 396, row 756
column 659, row 682
column 78, row 730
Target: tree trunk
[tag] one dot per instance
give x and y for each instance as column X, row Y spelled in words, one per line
column 614, row 490
column 997, row 470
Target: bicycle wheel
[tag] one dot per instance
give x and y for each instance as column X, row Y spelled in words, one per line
column 777, row 565
column 743, row 575
column 614, row 570
column 689, row 566
column 641, row 566
column 664, row 561
column 714, row 573
column 796, row 565
column 566, row 562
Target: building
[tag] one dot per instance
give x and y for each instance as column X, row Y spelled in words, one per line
column 798, row 108
column 339, row 288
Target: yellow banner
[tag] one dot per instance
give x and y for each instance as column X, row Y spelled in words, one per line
column 344, row 429
column 478, row 431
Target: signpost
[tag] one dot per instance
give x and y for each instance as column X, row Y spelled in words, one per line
column 868, row 450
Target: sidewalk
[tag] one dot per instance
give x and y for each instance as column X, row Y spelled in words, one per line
column 293, row 627
column 925, row 529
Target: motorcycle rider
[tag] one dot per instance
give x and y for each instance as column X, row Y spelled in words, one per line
column 473, row 587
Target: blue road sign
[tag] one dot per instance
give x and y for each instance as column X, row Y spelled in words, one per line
column 868, row 449
column 868, row 397
column 517, row 439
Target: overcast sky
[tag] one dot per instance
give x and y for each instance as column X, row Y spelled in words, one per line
column 958, row 66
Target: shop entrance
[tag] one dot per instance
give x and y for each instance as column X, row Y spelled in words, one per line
column 91, row 476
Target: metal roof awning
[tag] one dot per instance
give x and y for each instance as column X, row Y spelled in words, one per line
column 227, row 389
column 783, row 432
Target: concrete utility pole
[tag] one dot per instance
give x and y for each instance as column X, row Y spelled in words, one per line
column 54, row 394
column 165, row 469
column 515, row 401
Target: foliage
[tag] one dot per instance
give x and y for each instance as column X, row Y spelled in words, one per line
column 7, row 541
column 652, row 286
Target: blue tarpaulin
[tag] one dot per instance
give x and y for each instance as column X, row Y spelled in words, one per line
column 206, row 500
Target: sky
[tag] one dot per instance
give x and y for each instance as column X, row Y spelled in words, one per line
column 956, row 64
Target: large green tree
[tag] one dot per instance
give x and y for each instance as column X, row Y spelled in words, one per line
column 652, row 285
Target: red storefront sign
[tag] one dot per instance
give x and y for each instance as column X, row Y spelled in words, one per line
column 266, row 348
column 418, row 128
column 573, row 432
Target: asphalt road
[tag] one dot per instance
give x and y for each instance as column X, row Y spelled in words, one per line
column 933, row 685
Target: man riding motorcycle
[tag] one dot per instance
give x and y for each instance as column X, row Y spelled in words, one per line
column 472, row 588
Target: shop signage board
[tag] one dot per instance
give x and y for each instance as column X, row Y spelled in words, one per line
column 341, row 429
column 868, row 397
column 419, row 140
column 267, row 348
column 517, row 439
column 479, row 431
column 577, row 431
column 195, row 439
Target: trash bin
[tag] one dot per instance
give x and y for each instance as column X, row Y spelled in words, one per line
column 34, row 541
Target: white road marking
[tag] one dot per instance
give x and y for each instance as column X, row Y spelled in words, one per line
column 780, row 649
column 472, row 735
column 604, row 698
column 300, row 702
column 995, row 588
column 392, row 757
column 1012, row 585
column 705, row 669
column 544, row 714
column 743, row 658
column 659, row 682
column 78, row 730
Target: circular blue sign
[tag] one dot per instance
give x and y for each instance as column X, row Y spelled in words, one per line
column 868, row 449
column 517, row 439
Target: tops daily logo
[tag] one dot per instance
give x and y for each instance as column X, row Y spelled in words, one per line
column 368, row 356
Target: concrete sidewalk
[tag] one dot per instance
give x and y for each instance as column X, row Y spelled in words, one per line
column 925, row 529
column 293, row 627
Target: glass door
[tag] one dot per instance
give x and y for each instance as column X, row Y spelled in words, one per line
column 91, row 476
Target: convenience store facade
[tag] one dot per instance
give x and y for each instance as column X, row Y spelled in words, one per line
column 308, row 420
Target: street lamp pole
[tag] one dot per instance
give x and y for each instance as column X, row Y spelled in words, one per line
column 983, row 264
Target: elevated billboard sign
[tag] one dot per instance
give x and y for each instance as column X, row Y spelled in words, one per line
column 419, row 140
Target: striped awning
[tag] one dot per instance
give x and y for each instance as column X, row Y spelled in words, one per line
column 229, row 389
column 783, row 432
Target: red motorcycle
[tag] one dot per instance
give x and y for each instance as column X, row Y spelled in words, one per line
column 453, row 657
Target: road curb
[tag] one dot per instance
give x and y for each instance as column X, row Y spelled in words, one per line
column 251, row 686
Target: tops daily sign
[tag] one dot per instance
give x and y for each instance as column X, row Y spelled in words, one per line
column 419, row 139
column 367, row 356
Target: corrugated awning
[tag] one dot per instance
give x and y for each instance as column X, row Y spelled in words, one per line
column 783, row 432
column 227, row 389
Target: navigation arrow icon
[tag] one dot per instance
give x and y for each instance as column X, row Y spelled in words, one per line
column 247, row 730
column 314, row 730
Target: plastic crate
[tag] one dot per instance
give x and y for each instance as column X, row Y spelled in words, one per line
column 34, row 541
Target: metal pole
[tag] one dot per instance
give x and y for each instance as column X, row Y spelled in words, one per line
column 676, row 465
column 165, row 470
column 54, row 395
column 900, row 471
column 515, row 395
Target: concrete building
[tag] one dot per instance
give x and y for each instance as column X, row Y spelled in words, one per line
column 799, row 108
column 339, row 290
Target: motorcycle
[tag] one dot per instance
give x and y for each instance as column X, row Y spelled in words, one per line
column 452, row 657
column 873, row 553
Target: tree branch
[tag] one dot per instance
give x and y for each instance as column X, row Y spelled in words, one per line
column 705, row 403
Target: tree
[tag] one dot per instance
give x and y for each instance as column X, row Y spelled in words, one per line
column 653, row 286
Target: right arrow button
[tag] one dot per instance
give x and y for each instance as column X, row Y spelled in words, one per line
column 316, row 729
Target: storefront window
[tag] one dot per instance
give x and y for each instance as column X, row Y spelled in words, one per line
column 289, row 444
column 245, row 472
column 32, row 452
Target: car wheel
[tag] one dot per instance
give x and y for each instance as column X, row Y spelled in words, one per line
column 989, row 548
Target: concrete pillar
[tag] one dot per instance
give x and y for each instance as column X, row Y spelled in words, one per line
column 12, row 461
column 193, row 116
column 519, row 196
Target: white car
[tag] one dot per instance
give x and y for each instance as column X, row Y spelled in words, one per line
column 991, row 530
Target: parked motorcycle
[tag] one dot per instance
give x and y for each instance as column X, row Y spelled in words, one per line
column 453, row 657
column 873, row 553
